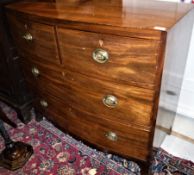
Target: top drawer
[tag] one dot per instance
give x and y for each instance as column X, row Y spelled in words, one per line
column 120, row 58
column 34, row 38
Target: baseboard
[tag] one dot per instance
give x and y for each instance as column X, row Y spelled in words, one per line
column 176, row 134
column 181, row 136
column 166, row 130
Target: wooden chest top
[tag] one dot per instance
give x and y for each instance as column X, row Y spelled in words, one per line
column 145, row 14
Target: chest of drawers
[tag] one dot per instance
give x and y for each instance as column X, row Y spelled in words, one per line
column 95, row 67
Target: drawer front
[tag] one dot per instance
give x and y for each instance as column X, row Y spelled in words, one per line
column 35, row 72
column 119, row 102
column 34, row 38
column 109, row 57
column 103, row 133
column 133, row 104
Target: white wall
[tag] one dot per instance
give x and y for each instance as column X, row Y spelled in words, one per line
column 184, row 121
column 178, row 78
column 178, row 74
column 186, row 101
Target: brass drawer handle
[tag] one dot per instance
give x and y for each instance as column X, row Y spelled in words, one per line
column 43, row 103
column 110, row 101
column 27, row 37
column 100, row 56
column 111, row 136
column 35, row 71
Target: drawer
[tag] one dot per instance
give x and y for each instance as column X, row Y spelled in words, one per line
column 106, row 134
column 34, row 38
column 134, row 104
column 119, row 102
column 108, row 57
column 35, row 72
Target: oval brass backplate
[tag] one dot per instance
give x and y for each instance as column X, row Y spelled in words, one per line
column 100, row 56
column 110, row 101
column 112, row 136
column 43, row 103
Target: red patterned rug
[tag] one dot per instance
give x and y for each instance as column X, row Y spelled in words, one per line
column 56, row 153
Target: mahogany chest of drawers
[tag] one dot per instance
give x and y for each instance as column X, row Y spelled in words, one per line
column 95, row 67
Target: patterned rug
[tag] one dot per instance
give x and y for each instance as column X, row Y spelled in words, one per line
column 56, row 153
column 164, row 163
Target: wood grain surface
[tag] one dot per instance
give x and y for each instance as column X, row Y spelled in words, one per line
column 52, row 72
column 134, row 104
column 146, row 14
column 131, row 60
column 43, row 44
column 131, row 142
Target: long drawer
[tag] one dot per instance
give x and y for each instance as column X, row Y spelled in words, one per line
column 132, row 105
column 104, row 133
column 34, row 39
column 121, row 103
column 34, row 70
column 109, row 57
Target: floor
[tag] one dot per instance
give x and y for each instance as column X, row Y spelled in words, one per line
column 178, row 147
column 175, row 135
